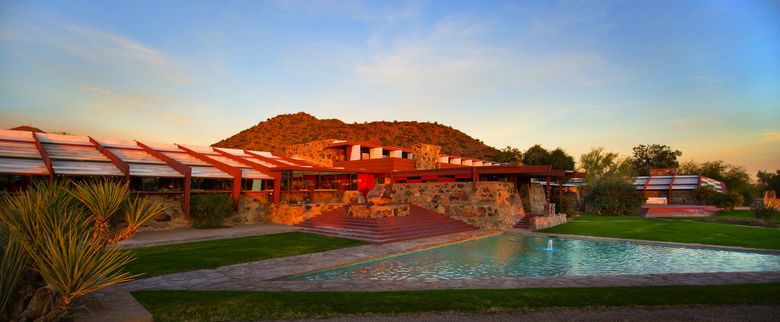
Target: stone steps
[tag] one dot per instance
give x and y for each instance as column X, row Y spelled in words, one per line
column 419, row 223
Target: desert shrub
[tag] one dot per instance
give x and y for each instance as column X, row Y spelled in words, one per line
column 764, row 212
column 726, row 201
column 613, row 197
column 702, row 194
column 210, row 209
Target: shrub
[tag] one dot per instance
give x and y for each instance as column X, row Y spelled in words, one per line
column 764, row 212
column 726, row 201
column 209, row 210
column 613, row 197
column 702, row 194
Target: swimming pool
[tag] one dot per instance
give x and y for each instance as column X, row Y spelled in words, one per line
column 514, row 255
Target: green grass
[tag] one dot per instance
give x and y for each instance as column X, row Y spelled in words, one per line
column 738, row 217
column 673, row 230
column 214, row 253
column 244, row 305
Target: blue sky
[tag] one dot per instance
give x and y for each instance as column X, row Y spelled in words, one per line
column 701, row 76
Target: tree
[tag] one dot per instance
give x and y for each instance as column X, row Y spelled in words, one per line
column 769, row 181
column 508, row 154
column 656, row 156
column 613, row 196
column 734, row 177
column 536, row 155
column 561, row 160
column 597, row 164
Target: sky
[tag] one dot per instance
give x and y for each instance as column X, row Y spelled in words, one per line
column 700, row 76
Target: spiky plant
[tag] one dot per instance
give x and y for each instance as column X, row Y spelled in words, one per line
column 13, row 265
column 137, row 212
column 103, row 199
column 74, row 266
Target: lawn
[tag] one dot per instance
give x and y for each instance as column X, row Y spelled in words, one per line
column 673, row 230
column 737, row 217
column 243, row 305
column 215, row 253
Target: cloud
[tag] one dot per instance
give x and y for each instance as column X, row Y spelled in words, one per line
column 771, row 136
column 62, row 43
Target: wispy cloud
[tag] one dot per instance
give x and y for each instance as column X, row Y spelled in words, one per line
column 771, row 136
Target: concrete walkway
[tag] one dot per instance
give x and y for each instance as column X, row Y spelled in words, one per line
column 188, row 235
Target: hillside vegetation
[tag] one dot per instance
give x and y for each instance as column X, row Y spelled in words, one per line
column 278, row 132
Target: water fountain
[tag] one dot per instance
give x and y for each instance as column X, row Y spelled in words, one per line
column 550, row 244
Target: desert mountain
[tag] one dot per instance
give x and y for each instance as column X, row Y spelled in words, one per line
column 276, row 133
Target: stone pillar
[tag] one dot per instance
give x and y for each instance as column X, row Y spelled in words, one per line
column 426, row 156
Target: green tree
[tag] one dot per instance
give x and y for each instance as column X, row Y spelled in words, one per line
column 734, row 177
column 536, row 155
column 768, row 181
column 613, row 196
column 598, row 163
column 561, row 160
column 652, row 156
column 508, row 154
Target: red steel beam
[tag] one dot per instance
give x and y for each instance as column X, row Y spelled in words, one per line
column 259, row 167
column 185, row 170
column 233, row 171
column 267, row 159
column 118, row 163
column 671, row 184
column 45, row 156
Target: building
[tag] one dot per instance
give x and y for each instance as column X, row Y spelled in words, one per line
column 311, row 177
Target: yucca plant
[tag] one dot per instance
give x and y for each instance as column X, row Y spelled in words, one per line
column 138, row 211
column 61, row 236
column 103, row 199
column 13, row 265
column 74, row 266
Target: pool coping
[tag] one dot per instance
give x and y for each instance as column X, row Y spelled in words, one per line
column 645, row 241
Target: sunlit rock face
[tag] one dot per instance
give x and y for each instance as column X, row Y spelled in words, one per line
column 291, row 214
column 426, row 156
column 488, row 205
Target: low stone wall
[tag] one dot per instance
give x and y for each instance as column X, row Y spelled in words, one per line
column 542, row 222
column 492, row 205
column 378, row 211
column 292, row 214
column 172, row 217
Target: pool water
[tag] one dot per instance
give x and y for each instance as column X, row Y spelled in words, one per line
column 513, row 255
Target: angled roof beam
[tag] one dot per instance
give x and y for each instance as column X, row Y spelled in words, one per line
column 45, row 156
column 118, row 163
column 185, row 170
column 233, row 171
column 267, row 159
column 259, row 167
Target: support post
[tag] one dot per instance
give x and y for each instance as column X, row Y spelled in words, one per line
column 45, row 156
column 548, row 189
column 233, row 171
column 185, row 170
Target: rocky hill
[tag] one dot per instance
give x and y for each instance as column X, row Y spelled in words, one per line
column 278, row 132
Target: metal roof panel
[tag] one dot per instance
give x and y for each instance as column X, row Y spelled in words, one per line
column 23, row 166
column 19, row 149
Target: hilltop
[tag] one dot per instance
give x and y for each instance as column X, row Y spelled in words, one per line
column 276, row 133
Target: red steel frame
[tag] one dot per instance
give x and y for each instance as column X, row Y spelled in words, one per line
column 118, row 163
column 179, row 167
column 44, row 155
column 259, row 167
column 233, row 171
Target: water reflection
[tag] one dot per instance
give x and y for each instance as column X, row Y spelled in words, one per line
column 516, row 255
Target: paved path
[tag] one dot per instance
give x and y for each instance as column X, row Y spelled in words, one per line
column 188, row 235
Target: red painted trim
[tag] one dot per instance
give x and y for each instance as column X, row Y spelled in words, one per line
column 45, row 156
column 118, row 163
column 671, row 184
column 233, row 171
column 179, row 167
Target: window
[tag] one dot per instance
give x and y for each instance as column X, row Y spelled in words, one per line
column 206, row 184
column 256, row 185
column 156, row 184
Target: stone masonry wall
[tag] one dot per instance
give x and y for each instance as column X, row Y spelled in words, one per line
column 172, row 217
column 426, row 156
column 533, row 196
column 492, row 205
column 542, row 222
column 315, row 151
column 291, row 214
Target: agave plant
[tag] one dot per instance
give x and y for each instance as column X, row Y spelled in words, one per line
column 137, row 212
column 103, row 199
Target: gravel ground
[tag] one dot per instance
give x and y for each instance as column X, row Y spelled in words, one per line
column 668, row 313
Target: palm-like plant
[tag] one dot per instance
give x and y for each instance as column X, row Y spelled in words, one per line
column 61, row 235
column 103, row 199
column 137, row 212
column 74, row 266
